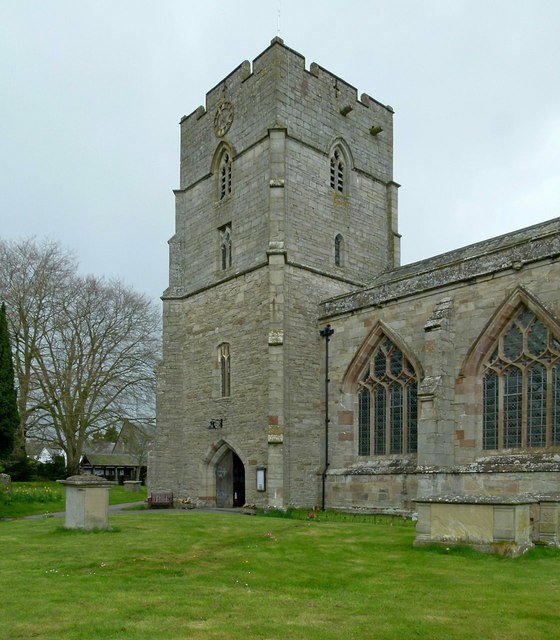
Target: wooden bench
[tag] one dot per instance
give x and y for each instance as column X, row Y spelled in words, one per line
column 161, row 499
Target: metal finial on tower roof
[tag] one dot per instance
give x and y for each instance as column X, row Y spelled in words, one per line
column 279, row 16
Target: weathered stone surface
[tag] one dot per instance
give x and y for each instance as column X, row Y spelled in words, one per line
column 499, row 525
column 488, row 258
column 284, row 218
column 284, row 285
column 87, row 502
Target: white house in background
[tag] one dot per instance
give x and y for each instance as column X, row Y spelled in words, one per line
column 42, row 452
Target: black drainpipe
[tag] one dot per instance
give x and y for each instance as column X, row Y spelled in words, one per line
column 326, row 333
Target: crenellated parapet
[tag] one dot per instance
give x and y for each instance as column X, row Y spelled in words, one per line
column 314, row 105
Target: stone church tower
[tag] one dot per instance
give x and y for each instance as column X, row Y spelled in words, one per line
column 286, row 198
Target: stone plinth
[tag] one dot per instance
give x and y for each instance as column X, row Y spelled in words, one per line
column 548, row 526
column 132, row 485
column 87, row 502
column 495, row 524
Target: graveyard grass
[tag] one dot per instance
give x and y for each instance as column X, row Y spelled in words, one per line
column 36, row 498
column 203, row 575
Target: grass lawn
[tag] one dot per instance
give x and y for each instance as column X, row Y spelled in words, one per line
column 202, row 575
column 35, row 498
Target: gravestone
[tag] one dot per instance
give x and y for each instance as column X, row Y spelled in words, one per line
column 5, row 483
column 132, row 485
column 87, row 502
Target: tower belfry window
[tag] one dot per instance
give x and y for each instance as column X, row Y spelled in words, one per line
column 224, row 173
column 225, row 247
column 338, row 171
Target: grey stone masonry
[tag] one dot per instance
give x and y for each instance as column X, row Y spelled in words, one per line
column 256, row 173
column 445, row 313
column 287, row 219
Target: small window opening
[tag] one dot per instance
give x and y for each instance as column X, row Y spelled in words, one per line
column 225, row 247
column 339, row 250
column 224, row 363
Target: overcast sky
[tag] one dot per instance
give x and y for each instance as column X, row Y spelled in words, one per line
column 91, row 94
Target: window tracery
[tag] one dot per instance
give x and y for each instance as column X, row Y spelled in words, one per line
column 521, row 386
column 387, row 403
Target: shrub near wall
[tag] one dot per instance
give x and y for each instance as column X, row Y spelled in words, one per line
column 21, row 468
column 55, row 470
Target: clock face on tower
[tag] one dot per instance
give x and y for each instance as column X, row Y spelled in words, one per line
column 223, row 118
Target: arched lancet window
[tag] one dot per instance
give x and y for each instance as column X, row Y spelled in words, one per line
column 339, row 250
column 338, row 170
column 225, row 247
column 224, row 175
column 387, row 404
column 521, row 397
column 224, row 364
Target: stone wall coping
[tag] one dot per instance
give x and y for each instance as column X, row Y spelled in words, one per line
column 478, row 499
column 86, row 481
column 386, row 466
column 506, row 463
column 553, row 497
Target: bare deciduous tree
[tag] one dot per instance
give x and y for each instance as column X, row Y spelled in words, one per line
column 32, row 276
column 86, row 348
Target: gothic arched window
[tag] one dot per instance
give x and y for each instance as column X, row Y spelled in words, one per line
column 522, row 387
column 339, row 250
column 224, row 175
column 338, row 170
column 387, row 404
column 224, row 364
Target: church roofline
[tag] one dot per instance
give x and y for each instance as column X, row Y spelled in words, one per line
column 472, row 251
column 508, row 251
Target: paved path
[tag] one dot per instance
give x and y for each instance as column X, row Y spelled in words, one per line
column 118, row 509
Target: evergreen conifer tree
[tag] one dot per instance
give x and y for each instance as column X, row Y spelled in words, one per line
column 9, row 416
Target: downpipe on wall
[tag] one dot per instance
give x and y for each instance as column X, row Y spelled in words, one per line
column 326, row 333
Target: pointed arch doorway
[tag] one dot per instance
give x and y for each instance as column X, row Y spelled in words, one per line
column 230, row 481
